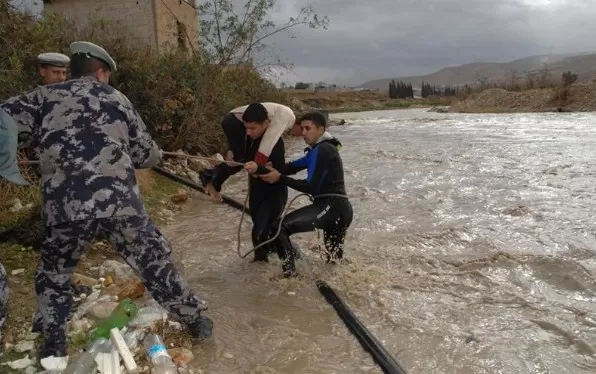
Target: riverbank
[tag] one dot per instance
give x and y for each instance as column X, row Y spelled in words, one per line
column 355, row 101
column 575, row 98
column 162, row 197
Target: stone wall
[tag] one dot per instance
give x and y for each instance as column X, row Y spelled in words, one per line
column 149, row 22
column 167, row 15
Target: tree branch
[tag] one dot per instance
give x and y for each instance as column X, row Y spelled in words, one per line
column 251, row 45
column 178, row 20
column 194, row 6
column 221, row 46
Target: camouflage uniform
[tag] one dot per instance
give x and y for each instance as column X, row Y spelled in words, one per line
column 9, row 170
column 3, row 298
column 91, row 140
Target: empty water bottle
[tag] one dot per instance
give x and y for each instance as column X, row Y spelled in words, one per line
column 148, row 315
column 133, row 338
column 159, row 356
column 86, row 361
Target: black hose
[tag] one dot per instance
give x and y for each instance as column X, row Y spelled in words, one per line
column 365, row 338
column 191, row 184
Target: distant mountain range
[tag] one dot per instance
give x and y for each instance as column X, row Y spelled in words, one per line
column 582, row 64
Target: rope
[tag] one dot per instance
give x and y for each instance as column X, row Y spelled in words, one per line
column 213, row 159
column 234, row 163
column 283, row 215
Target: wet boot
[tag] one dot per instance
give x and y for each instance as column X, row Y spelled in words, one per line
column 288, row 266
column 295, row 250
column 201, row 328
column 262, row 254
column 334, row 256
column 37, row 323
column 51, row 347
column 205, row 176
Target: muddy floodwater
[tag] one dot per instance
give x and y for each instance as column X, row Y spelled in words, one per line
column 472, row 251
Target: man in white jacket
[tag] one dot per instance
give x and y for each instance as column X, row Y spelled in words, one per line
column 254, row 134
column 281, row 119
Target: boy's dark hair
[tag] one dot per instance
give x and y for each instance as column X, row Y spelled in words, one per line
column 255, row 112
column 315, row 117
column 82, row 65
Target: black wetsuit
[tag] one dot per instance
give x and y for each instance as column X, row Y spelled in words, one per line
column 266, row 201
column 332, row 214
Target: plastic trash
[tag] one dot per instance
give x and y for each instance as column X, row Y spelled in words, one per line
column 124, row 351
column 85, row 364
column 90, row 303
column 133, row 338
column 148, row 315
column 158, row 354
column 125, row 312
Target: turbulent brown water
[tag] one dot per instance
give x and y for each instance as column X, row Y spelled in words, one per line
column 472, row 251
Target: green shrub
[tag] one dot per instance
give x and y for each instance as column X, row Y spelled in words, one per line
column 181, row 98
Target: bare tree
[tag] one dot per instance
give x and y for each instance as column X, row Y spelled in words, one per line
column 569, row 78
column 544, row 77
column 512, row 80
column 229, row 36
column 483, row 81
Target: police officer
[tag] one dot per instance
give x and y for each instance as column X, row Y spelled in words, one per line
column 10, row 172
column 52, row 67
column 91, row 140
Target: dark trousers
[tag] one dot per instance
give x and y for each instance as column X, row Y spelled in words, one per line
column 139, row 243
column 332, row 215
column 3, row 297
column 265, row 211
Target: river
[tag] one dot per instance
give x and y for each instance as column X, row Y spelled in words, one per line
column 472, row 251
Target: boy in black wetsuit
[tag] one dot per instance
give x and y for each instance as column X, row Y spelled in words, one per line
column 325, row 177
column 254, row 134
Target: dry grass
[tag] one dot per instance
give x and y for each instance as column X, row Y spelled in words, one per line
column 26, row 195
column 352, row 101
column 22, row 290
column 576, row 98
column 146, row 180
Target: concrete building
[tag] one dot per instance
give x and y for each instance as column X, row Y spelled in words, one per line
column 159, row 24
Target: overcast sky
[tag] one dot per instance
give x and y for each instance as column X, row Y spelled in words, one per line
column 388, row 38
column 371, row 39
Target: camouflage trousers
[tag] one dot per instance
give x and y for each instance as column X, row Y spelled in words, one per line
column 139, row 243
column 3, row 298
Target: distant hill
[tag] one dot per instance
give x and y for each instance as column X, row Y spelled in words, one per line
column 584, row 65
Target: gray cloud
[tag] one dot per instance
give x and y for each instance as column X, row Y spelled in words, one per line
column 380, row 38
column 387, row 38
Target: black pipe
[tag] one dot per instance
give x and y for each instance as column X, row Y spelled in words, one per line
column 365, row 338
column 191, row 184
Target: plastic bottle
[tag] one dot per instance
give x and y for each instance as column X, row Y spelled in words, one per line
column 159, row 356
column 133, row 338
column 90, row 303
column 86, row 361
column 148, row 315
column 120, row 317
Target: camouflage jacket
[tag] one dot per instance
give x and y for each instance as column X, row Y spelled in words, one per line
column 91, row 139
